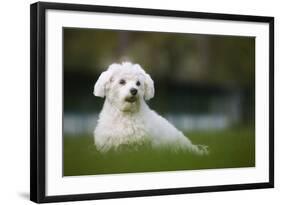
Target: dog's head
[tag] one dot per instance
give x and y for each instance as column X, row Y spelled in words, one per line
column 125, row 85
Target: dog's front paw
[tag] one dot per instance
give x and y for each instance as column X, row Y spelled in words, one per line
column 202, row 149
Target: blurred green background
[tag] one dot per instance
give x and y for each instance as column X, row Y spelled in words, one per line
column 205, row 86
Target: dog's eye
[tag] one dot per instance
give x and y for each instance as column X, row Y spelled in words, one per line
column 138, row 83
column 122, row 82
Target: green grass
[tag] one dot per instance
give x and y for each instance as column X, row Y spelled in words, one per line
column 228, row 149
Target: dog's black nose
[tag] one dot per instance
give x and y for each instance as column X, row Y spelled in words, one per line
column 133, row 91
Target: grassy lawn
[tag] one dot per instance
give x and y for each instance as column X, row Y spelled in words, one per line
column 228, row 149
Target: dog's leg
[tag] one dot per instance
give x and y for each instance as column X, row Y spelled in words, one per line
column 186, row 144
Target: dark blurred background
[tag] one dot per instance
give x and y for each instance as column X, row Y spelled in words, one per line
column 202, row 82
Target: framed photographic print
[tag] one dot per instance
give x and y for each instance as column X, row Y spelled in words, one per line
column 129, row 102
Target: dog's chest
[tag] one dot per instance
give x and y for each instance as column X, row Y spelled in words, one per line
column 128, row 128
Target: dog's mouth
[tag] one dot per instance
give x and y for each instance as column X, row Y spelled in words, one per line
column 131, row 99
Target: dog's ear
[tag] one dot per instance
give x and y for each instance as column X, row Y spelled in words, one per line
column 148, row 87
column 100, row 85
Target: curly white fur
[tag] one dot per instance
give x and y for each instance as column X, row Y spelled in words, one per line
column 126, row 118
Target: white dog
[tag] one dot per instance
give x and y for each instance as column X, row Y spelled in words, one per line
column 126, row 118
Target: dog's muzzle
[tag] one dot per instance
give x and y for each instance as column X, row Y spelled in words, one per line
column 131, row 99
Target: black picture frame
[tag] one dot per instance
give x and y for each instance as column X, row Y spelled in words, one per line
column 38, row 101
